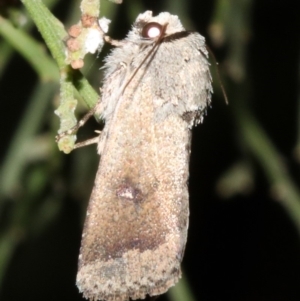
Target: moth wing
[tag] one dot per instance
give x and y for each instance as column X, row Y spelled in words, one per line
column 137, row 219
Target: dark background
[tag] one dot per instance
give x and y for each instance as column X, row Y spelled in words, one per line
column 243, row 246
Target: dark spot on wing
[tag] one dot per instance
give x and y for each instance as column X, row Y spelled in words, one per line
column 127, row 191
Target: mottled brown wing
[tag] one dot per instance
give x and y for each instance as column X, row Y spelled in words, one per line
column 136, row 226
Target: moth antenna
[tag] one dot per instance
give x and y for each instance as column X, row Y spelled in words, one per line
column 154, row 48
column 218, row 75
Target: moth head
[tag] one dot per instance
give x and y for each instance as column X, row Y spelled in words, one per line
column 149, row 28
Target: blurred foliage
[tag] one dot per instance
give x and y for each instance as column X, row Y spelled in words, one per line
column 245, row 199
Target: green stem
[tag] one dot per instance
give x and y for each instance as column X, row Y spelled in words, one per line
column 54, row 33
column 50, row 28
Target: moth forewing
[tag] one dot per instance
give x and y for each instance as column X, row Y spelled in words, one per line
column 136, row 226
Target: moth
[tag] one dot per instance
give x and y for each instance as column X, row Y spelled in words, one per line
column 157, row 86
